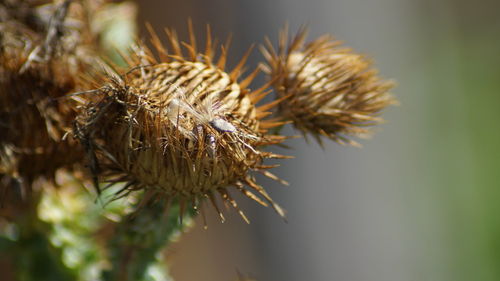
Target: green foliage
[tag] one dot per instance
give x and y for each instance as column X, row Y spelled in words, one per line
column 72, row 236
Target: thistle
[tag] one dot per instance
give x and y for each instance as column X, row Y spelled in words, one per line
column 179, row 127
column 329, row 90
column 43, row 49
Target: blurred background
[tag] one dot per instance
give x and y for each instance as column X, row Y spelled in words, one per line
column 420, row 201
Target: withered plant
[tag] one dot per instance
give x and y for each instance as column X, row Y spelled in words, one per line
column 159, row 133
column 41, row 57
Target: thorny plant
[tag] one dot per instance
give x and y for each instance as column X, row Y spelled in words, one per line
column 167, row 132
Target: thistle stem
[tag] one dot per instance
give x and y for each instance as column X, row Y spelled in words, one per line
column 139, row 237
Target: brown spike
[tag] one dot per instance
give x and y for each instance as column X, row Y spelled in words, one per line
column 263, row 192
column 298, row 40
column 228, row 42
column 223, row 57
column 320, row 140
column 216, row 206
column 227, row 197
column 270, row 48
column 269, row 125
column 281, row 212
column 252, row 184
column 174, row 42
column 162, row 52
column 221, row 63
column 267, row 166
column 235, row 73
column 263, row 114
column 262, row 88
column 143, row 54
column 208, row 45
column 265, row 53
column 275, row 156
column 283, row 38
column 272, row 104
column 252, row 196
column 192, row 37
column 273, row 177
column 129, row 60
column 249, row 78
column 177, row 57
column 191, row 50
column 277, row 139
column 256, row 98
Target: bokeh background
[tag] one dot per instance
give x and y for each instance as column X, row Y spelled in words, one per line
column 420, row 201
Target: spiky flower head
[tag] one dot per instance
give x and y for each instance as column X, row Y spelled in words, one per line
column 179, row 127
column 330, row 90
column 43, row 49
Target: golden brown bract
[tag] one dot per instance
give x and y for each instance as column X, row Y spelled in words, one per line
column 331, row 91
column 179, row 128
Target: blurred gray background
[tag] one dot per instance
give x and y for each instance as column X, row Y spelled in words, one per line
column 420, row 200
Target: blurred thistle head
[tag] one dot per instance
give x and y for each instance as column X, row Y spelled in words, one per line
column 178, row 126
column 43, row 49
column 329, row 90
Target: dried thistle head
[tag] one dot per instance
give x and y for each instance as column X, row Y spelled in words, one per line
column 330, row 90
column 179, row 127
column 43, row 50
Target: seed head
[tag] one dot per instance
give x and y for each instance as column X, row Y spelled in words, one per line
column 179, row 127
column 330, row 90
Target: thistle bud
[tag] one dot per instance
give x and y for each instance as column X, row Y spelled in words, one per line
column 330, row 90
column 178, row 127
